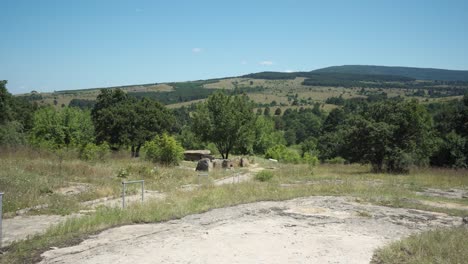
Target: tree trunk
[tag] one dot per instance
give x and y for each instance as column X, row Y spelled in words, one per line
column 133, row 151
column 137, row 151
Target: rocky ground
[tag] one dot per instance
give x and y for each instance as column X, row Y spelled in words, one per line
column 307, row 230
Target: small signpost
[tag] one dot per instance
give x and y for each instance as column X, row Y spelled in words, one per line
column 124, row 184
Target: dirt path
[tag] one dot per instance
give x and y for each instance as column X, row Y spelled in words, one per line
column 306, row 230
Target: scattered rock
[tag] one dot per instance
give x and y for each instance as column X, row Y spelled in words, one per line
column 244, row 162
column 465, row 220
column 217, row 163
column 223, row 163
column 227, row 164
column 204, row 165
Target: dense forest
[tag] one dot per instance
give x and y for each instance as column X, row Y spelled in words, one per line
column 391, row 134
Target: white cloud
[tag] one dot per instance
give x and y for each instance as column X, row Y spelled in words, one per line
column 197, row 50
column 266, row 63
column 288, row 71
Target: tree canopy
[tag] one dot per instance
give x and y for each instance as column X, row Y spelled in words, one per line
column 225, row 120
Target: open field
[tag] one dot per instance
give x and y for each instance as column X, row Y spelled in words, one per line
column 32, row 178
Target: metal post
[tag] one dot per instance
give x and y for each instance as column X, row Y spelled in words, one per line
column 1, row 212
column 124, row 185
column 123, row 195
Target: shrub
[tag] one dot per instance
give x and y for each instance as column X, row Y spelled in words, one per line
column 164, row 149
column 93, row 152
column 264, row 176
column 310, row 159
column 283, row 154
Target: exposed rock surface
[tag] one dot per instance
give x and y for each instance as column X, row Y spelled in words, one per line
column 306, row 230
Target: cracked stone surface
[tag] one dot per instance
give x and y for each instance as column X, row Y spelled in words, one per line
column 307, row 230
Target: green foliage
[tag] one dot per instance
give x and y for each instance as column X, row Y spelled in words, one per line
column 310, row 159
column 264, row 176
column 225, row 120
column 415, row 73
column 125, row 121
column 266, row 136
column 391, row 136
column 451, row 151
column 164, row 149
column 336, row 160
column 93, row 152
column 283, row 154
column 55, row 129
column 11, row 134
column 82, row 103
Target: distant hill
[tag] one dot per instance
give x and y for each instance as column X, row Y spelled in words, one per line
column 416, row 73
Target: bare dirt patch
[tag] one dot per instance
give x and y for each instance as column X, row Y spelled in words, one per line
column 306, row 230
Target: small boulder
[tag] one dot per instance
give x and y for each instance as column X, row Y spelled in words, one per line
column 217, row 163
column 228, row 164
column 204, row 165
column 244, row 162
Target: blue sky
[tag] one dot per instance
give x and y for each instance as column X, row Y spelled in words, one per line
column 58, row 45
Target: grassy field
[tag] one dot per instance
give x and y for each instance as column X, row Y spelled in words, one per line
column 30, row 178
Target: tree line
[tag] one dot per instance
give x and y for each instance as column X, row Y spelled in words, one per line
column 391, row 134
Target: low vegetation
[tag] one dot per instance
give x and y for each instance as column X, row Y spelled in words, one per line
column 435, row 246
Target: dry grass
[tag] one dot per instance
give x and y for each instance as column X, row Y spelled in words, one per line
column 289, row 181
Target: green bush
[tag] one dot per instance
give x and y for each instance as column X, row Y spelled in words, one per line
column 164, row 149
column 93, row 152
column 264, row 176
column 283, row 154
column 310, row 159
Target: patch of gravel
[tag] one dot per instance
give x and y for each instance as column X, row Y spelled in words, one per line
column 307, row 230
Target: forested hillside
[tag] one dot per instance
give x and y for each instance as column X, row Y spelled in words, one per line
column 411, row 72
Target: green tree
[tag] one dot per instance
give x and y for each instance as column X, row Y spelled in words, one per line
column 266, row 136
column 391, row 136
column 68, row 127
column 278, row 111
column 224, row 120
column 121, row 120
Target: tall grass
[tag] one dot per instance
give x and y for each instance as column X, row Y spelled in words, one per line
column 447, row 245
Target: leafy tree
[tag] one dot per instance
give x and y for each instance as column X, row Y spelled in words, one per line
column 121, row 120
column 391, row 136
column 68, row 127
column 278, row 111
column 266, row 136
column 11, row 134
column 224, row 120
column 266, row 112
column 5, row 104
